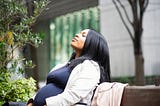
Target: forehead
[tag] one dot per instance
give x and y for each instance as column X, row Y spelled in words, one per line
column 85, row 31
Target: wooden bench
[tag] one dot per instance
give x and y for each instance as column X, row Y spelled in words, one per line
column 132, row 96
column 141, row 96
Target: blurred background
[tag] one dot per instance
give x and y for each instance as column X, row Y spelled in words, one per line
column 62, row 19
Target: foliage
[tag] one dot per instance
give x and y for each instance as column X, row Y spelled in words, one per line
column 16, row 90
column 15, row 32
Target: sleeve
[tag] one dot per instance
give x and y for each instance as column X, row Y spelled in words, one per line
column 84, row 82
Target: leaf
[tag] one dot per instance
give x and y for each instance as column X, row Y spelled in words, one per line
column 9, row 38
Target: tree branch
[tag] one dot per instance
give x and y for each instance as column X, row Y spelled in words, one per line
column 124, row 9
column 133, row 4
column 143, row 4
column 120, row 14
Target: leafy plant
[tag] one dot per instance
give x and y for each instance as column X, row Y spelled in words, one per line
column 15, row 32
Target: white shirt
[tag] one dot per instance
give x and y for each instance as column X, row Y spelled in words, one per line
column 81, row 83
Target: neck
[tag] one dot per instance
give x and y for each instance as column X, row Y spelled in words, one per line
column 77, row 54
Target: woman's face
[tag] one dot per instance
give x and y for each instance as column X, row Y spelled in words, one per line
column 78, row 41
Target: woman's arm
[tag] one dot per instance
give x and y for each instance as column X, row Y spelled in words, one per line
column 82, row 81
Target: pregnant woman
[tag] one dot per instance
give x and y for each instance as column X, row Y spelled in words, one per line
column 74, row 83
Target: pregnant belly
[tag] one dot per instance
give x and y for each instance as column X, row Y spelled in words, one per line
column 45, row 92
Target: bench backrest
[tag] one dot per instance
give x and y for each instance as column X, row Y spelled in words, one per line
column 141, row 96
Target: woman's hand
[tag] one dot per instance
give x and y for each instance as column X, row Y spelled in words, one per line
column 30, row 104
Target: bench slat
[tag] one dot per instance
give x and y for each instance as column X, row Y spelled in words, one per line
column 141, row 96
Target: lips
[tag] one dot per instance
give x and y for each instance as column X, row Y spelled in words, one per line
column 74, row 39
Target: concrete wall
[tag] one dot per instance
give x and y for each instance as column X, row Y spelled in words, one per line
column 151, row 38
column 120, row 44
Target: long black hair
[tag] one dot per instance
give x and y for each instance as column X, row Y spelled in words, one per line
column 96, row 49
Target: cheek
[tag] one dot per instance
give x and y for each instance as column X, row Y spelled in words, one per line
column 81, row 43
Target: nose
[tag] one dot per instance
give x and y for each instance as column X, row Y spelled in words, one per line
column 77, row 35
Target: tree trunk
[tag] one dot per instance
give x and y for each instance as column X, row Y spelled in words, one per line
column 32, row 50
column 35, row 69
column 139, row 73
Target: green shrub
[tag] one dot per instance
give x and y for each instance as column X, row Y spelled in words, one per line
column 15, row 32
column 16, row 89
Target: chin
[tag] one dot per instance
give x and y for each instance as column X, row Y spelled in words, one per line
column 72, row 45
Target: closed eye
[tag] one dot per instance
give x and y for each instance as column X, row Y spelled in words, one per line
column 83, row 34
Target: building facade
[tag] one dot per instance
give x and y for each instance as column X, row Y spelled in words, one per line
column 61, row 19
column 121, row 47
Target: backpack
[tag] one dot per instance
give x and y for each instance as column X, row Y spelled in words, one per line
column 108, row 94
